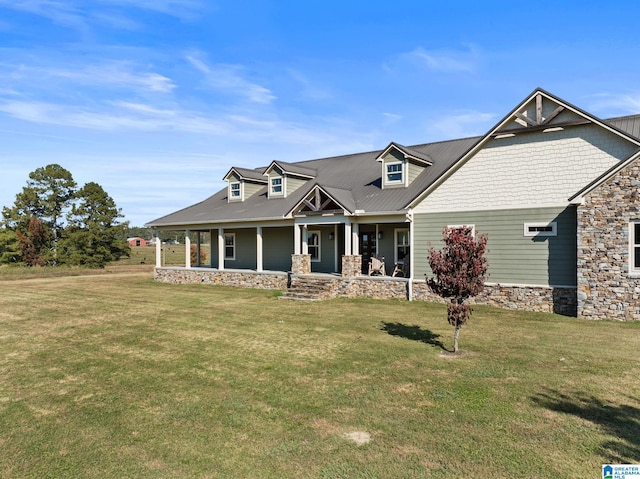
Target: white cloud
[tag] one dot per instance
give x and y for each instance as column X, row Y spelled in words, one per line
column 615, row 104
column 391, row 118
column 230, row 78
column 309, row 89
column 79, row 14
column 443, row 61
column 463, row 124
column 110, row 74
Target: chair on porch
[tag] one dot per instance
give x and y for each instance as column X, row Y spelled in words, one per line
column 376, row 266
column 401, row 269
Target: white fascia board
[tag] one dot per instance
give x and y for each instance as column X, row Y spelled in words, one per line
column 231, row 223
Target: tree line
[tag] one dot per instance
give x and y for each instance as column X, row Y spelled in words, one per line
column 53, row 222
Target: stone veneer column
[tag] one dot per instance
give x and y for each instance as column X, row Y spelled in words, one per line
column 300, row 263
column 351, row 266
column 606, row 290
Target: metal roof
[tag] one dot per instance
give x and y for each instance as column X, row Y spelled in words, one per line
column 359, row 173
column 628, row 124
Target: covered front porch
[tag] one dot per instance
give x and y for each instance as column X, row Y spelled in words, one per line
column 324, row 244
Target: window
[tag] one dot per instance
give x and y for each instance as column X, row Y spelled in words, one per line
column 634, row 248
column 541, row 229
column 394, row 173
column 276, row 186
column 313, row 245
column 235, row 190
column 402, row 244
column 230, row 246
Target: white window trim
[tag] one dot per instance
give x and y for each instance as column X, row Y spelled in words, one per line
column 396, row 245
column 240, row 191
column 473, row 228
column 552, row 224
column 282, row 186
column 233, row 235
column 316, row 232
column 633, row 271
column 402, row 173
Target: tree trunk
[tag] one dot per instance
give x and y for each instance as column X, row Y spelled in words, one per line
column 455, row 338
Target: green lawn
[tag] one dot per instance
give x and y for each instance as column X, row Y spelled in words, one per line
column 114, row 376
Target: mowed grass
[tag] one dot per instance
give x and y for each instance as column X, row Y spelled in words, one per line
column 113, row 376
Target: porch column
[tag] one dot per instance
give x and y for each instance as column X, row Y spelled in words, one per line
column 411, row 254
column 211, row 265
column 187, row 250
column 158, row 252
column 335, row 248
column 305, row 240
column 355, row 240
column 198, row 243
column 259, row 248
column 347, row 238
column 220, row 249
column 297, row 248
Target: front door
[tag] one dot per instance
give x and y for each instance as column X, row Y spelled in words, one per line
column 367, row 247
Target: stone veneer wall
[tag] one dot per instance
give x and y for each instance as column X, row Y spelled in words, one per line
column 544, row 299
column 527, row 298
column 301, row 263
column 351, row 266
column 240, row 279
column 605, row 289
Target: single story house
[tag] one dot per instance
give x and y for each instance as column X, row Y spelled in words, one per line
column 556, row 189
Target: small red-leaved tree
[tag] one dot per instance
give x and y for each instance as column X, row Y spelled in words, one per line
column 460, row 269
column 33, row 243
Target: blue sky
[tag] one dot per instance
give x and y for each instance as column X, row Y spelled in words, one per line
column 156, row 99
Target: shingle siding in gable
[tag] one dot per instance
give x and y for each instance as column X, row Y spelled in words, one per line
column 541, row 169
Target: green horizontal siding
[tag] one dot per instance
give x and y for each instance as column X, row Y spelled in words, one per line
column 513, row 258
column 246, row 249
column 277, row 247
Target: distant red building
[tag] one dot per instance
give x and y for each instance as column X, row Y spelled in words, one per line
column 137, row 241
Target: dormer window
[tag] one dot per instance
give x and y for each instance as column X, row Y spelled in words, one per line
column 235, row 191
column 276, row 186
column 243, row 183
column 395, row 173
column 401, row 165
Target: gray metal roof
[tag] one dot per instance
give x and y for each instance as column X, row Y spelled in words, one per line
column 628, row 124
column 354, row 180
column 295, row 169
column 359, row 173
column 248, row 174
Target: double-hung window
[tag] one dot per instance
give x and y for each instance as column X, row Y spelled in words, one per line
column 230, row 246
column 313, row 245
column 402, row 245
column 235, row 190
column 395, row 173
column 634, row 248
column 276, row 186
